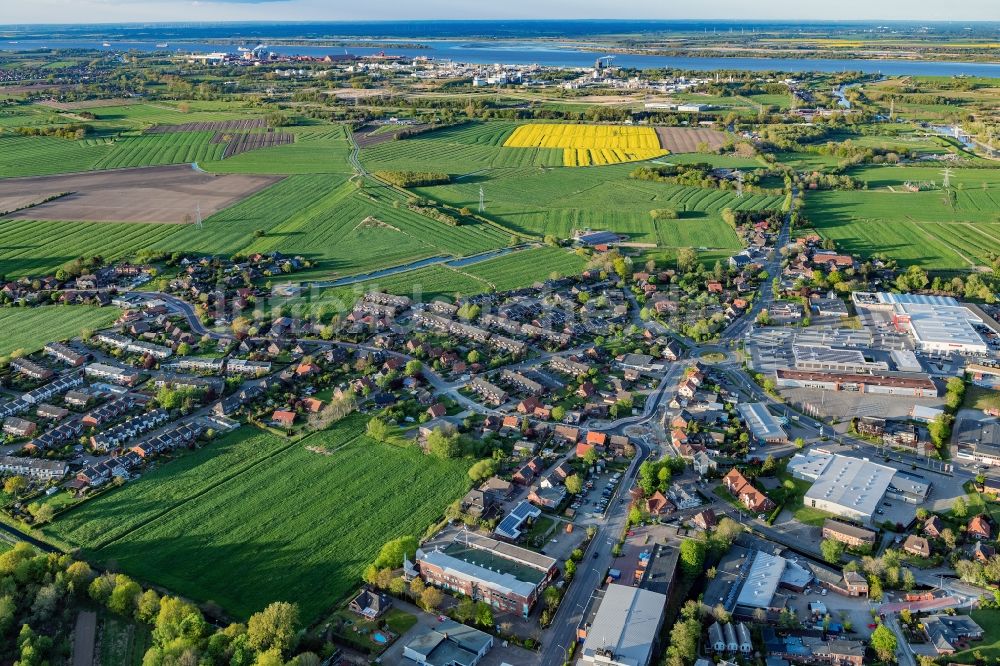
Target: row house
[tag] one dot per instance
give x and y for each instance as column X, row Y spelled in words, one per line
column 442, row 308
column 568, row 366
column 29, row 368
column 491, row 393
column 46, row 411
column 18, row 427
column 184, row 434
column 850, row 535
column 130, row 429
column 444, row 325
column 79, row 399
column 134, row 346
column 56, row 437
column 509, row 345
column 63, row 353
column 14, row 407
column 549, row 335
column 238, row 366
column 401, row 302
column 108, row 411
column 34, row 468
column 53, row 389
column 501, row 323
column 114, row 374
column 362, row 308
column 522, row 382
column 199, row 364
column 98, row 474
column 188, row 382
column 730, row 638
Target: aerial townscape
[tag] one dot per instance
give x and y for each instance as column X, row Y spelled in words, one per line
column 521, row 342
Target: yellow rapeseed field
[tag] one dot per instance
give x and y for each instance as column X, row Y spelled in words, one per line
column 590, row 145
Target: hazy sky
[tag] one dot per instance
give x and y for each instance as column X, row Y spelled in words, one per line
column 94, row 11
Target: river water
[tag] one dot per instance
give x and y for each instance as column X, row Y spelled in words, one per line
column 523, row 52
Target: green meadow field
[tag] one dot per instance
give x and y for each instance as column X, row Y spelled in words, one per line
column 558, row 201
column 30, row 328
column 924, row 228
column 255, row 517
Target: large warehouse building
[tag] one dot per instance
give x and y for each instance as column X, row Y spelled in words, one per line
column 625, row 629
column 853, row 488
column 906, row 384
column 824, row 358
column 936, row 323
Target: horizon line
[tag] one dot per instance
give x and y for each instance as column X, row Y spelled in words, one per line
column 524, row 20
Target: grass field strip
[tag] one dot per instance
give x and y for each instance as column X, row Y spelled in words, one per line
column 221, row 482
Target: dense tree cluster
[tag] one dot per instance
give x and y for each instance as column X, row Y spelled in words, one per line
column 413, row 178
column 41, row 595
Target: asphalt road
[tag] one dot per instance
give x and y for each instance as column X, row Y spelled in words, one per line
column 590, row 574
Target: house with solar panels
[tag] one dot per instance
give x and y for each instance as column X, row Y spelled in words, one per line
column 510, row 527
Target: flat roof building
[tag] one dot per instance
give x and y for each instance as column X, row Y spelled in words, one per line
column 936, row 323
column 449, row 644
column 625, row 629
column 911, row 385
column 821, row 357
column 507, row 577
column 850, row 487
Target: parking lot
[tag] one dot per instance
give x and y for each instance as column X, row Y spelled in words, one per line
column 845, row 405
column 593, row 502
column 841, row 609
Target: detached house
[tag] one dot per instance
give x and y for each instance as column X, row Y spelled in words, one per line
column 748, row 496
column 979, row 528
column 283, row 418
column 917, row 545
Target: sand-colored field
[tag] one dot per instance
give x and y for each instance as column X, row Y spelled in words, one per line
column 89, row 103
column 166, row 194
column 687, row 139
